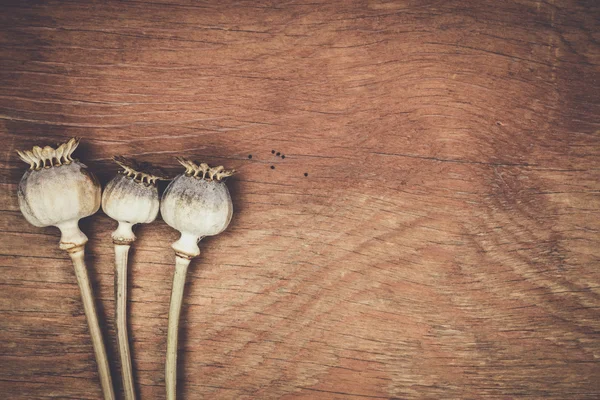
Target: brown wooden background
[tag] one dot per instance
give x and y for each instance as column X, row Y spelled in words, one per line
column 445, row 243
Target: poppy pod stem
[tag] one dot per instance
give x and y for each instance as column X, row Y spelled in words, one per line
column 181, row 266
column 121, row 257
column 73, row 242
column 77, row 256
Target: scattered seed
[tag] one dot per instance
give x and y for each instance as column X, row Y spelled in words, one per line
column 282, row 156
column 272, row 167
column 306, row 174
column 272, row 151
column 250, row 156
column 278, row 154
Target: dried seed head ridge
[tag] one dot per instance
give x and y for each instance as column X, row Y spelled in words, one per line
column 203, row 171
column 141, row 172
column 48, row 157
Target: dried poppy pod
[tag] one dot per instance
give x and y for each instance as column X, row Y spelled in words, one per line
column 129, row 198
column 196, row 203
column 58, row 191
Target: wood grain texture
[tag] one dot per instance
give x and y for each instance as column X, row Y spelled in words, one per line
column 445, row 243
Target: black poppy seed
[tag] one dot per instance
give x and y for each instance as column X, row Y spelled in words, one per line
column 306, row 174
column 283, row 156
column 278, row 154
column 250, row 156
column 272, row 151
column 272, row 167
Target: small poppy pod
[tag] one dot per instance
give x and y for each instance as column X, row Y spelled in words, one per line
column 131, row 197
column 197, row 204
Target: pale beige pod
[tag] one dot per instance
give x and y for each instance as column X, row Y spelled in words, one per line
column 130, row 198
column 58, row 190
column 197, row 204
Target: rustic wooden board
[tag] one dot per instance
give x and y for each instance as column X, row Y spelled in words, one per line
column 445, row 243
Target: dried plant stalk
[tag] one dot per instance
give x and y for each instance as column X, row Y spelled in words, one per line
column 181, row 265
column 77, row 255
column 121, row 256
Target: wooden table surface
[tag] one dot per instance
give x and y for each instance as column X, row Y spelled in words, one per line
column 445, row 243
